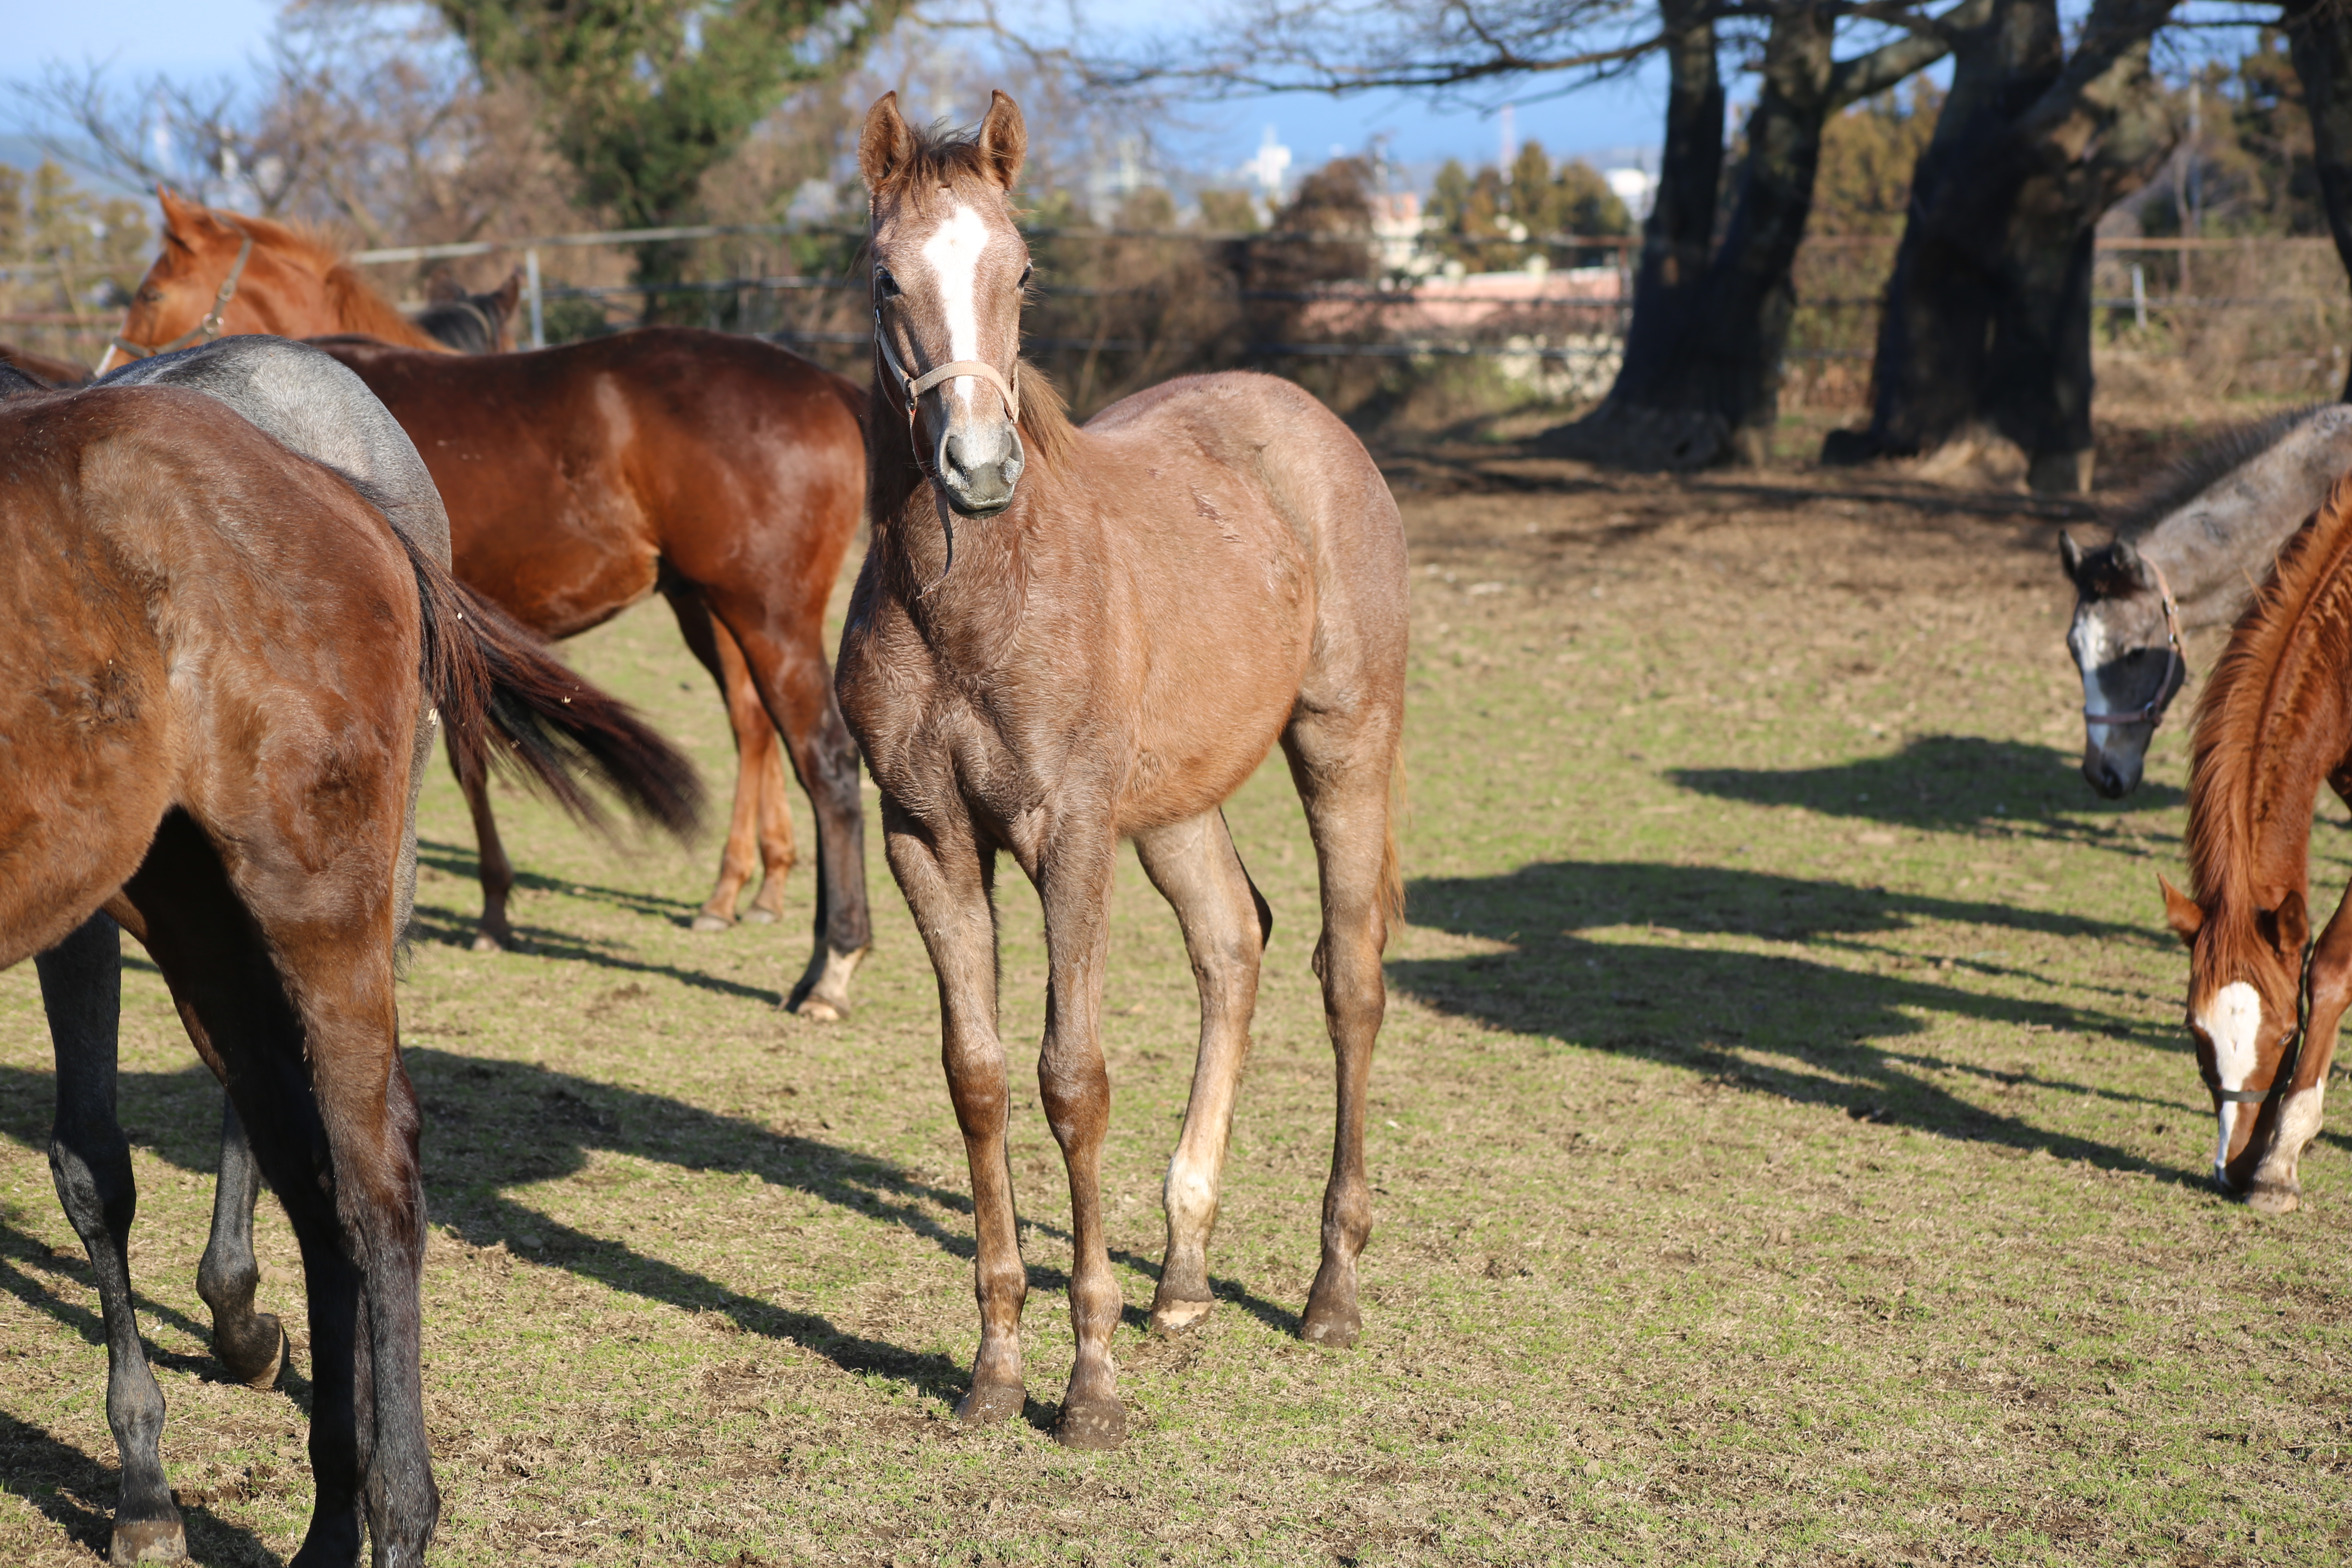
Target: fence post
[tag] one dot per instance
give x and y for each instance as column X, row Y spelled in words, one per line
column 530, row 287
column 2139, row 296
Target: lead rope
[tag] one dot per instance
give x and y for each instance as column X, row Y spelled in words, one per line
column 2153, row 709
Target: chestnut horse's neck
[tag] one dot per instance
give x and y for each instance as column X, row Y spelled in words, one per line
column 2275, row 723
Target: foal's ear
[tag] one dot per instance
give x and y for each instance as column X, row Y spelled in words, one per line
column 2069, row 556
column 1004, row 139
column 2289, row 926
column 2128, row 565
column 886, row 143
column 184, row 221
column 2180, row 912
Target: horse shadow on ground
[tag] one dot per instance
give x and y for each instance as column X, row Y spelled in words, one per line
column 1705, row 1009
column 457, row 861
column 491, row 1125
column 1951, row 783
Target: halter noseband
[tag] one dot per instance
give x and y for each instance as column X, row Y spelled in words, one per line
column 2153, row 709
column 210, row 327
column 913, row 389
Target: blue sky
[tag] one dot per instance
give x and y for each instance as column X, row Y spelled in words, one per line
column 205, row 38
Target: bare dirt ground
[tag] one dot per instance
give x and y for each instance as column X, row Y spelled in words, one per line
column 1787, row 1148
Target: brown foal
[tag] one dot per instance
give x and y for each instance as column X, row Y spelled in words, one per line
column 1065, row 637
column 2275, row 723
column 726, row 472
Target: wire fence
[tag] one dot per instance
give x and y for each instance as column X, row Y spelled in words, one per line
column 1357, row 315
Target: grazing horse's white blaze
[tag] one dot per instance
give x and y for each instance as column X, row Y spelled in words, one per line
column 954, row 251
column 2092, row 649
column 2233, row 1019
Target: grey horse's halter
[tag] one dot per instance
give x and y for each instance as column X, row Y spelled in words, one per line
column 2153, row 709
column 913, row 389
column 209, row 328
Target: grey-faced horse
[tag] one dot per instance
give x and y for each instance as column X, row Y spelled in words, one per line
column 2187, row 554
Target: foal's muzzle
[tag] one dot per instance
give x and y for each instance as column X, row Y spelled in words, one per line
column 979, row 468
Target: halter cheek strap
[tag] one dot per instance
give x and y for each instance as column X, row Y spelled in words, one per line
column 2153, row 709
column 913, row 387
column 210, row 327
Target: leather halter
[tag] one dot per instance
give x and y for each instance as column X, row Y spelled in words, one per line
column 210, row 327
column 2153, row 709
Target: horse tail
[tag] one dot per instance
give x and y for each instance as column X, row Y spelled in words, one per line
column 504, row 699
column 1392, row 860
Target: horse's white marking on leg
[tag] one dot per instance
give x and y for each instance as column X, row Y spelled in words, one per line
column 2231, row 1019
column 954, row 251
column 1191, row 1196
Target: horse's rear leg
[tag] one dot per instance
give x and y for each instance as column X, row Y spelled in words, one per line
column 491, row 859
column 250, row 1343
column 1194, row 867
column 1343, row 772
column 81, row 989
column 762, row 818
column 796, row 685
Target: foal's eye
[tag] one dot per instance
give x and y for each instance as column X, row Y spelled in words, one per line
column 886, row 285
column 1024, row 284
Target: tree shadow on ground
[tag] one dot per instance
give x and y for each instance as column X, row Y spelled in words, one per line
column 1944, row 782
column 1714, row 1010
column 490, row 1125
column 65, row 1486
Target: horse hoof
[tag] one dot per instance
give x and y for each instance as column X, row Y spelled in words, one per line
column 756, row 916
column 1334, row 1328
column 2269, row 1199
column 1093, row 1424
column 706, row 921
column 990, row 1401
column 1179, row 1317
column 816, row 1009
column 485, row 942
column 149, row 1540
column 263, row 1374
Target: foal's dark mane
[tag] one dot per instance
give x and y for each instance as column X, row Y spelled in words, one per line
column 2185, row 480
column 2262, row 709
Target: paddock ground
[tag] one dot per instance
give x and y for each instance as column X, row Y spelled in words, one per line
column 1786, row 1149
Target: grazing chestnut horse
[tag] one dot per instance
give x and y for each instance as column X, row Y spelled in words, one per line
column 1064, row 636
column 588, row 512
column 2275, row 723
column 217, row 660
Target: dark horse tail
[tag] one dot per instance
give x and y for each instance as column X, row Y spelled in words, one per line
column 504, row 698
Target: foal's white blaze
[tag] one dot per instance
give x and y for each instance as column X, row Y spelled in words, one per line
column 954, row 251
column 2231, row 1020
column 2092, row 649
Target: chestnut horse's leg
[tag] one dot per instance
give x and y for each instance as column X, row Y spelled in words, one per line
column 81, row 989
column 490, row 856
column 762, row 817
column 251, row 1344
column 948, row 877
column 796, row 683
column 1341, row 764
column 1196, row 870
column 332, row 1118
column 1074, row 880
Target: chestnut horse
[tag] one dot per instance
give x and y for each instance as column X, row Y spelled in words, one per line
column 2275, row 723
column 724, row 471
column 1064, row 637
column 216, row 663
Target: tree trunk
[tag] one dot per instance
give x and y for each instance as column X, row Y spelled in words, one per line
column 1675, row 239
column 1987, row 329
column 2319, row 35
column 1701, row 379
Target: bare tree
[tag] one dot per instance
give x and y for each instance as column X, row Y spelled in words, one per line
column 2319, row 35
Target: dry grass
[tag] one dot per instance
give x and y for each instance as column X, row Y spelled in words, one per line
column 1787, row 1152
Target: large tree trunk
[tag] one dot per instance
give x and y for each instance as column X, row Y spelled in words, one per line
column 1675, row 242
column 1987, row 329
column 2319, row 35
column 1701, row 379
